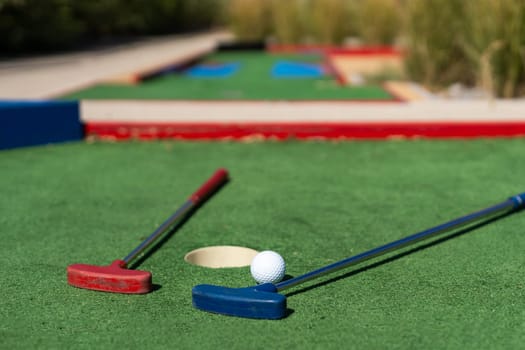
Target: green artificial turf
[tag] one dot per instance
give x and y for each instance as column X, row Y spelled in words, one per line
column 253, row 81
column 314, row 202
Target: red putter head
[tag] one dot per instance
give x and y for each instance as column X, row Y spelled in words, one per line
column 115, row 278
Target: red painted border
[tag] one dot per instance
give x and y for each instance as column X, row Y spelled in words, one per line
column 327, row 49
column 302, row 130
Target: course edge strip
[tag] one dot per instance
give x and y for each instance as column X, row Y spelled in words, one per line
column 302, row 131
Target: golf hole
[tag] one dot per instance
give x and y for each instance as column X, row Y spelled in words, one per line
column 221, row 256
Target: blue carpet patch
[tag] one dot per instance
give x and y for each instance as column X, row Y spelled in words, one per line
column 215, row 70
column 285, row 69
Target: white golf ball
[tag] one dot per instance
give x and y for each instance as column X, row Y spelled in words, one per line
column 268, row 267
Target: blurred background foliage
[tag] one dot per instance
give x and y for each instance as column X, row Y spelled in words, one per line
column 472, row 42
column 45, row 25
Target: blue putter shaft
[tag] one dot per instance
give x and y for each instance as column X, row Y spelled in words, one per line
column 264, row 301
column 512, row 204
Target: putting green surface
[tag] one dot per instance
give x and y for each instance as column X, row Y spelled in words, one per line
column 315, row 203
column 252, row 81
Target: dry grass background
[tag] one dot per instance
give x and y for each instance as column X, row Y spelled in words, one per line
column 473, row 42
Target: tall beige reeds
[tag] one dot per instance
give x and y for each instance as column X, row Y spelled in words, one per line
column 378, row 22
column 434, row 32
column 329, row 21
column 288, row 22
column 495, row 43
column 248, row 19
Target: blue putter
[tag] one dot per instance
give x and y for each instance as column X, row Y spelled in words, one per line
column 261, row 301
column 264, row 301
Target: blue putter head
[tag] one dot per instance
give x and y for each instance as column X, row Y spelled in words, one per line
column 261, row 301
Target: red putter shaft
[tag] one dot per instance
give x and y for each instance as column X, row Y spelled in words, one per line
column 116, row 277
column 195, row 199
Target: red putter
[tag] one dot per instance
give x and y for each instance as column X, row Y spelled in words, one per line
column 117, row 278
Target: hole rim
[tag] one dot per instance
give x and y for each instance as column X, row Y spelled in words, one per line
column 214, row 256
